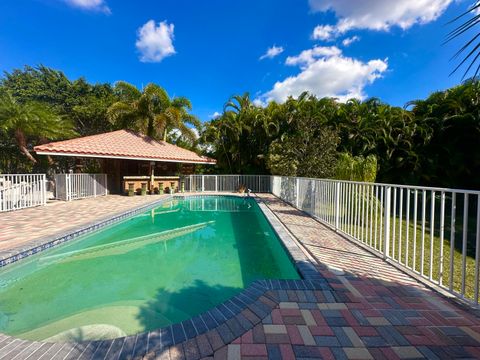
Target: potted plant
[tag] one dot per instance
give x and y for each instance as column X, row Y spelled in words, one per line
column 242, row 188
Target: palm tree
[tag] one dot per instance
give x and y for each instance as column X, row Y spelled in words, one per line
column 151, row 111
column 472, row 47
column 31, row 120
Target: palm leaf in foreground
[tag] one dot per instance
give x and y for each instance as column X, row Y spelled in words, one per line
column 471, row 50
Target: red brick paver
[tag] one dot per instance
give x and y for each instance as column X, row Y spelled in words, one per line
column 373, row 310
column 379, row 312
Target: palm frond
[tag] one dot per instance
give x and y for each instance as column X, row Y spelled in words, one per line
column 471, row 50
column 126, row 91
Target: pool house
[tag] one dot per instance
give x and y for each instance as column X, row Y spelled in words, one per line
column 129, row 160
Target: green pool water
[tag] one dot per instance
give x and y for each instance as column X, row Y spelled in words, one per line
column 157, row 268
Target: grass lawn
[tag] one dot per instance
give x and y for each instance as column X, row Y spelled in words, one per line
column 437, row 254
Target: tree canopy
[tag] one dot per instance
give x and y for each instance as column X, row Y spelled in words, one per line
column 152, row 112
column 430, row 141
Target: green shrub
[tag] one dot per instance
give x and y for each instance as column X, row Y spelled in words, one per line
column 356, row 168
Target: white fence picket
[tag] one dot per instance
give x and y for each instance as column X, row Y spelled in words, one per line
column 79, row 186
column 20, row 191
column 405, row 224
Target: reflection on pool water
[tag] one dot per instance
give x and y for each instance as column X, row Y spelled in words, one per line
column 157, row 268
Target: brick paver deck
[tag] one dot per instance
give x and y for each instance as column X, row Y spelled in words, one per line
column 363, row 308
column 379, row 312
column 19, row 228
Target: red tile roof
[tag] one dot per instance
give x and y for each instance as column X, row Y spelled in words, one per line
column 122, row 144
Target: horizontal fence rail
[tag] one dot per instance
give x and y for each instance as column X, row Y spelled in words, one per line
column 20, row 191
column 227, row 183
column 79, row 186
column 434, row 232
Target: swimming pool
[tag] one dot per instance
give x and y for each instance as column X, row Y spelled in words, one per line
column 160, row 267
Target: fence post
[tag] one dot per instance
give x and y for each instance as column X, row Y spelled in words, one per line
column 297, row 192
column 105, row 184
column 44, row 190
column 386, row 237
column 68, row 187
column 216, row 183
column 94, row 186
column 337, row 205
column 203, row 183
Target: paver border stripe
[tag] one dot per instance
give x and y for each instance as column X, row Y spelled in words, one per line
column 13, row 255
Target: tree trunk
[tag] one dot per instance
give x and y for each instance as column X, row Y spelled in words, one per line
column 49, row 158
column 22, row 144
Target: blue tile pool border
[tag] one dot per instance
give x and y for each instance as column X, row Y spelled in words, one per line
column 38, row 245
column 228, row 320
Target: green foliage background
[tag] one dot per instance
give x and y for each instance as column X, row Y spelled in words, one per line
column 433, row 141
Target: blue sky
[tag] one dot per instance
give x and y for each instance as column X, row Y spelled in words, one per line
column 210, row 50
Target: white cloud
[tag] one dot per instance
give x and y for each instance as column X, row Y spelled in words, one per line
column 93, row 5
column 215, row 115
column 350, row 40
column 326, row 72
column 155, row 42
column 477, row 10
column 308, row 57
column 324, row 32
column 272, row 52
column 376, row 14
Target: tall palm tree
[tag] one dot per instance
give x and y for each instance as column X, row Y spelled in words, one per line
column 471, row 50
column 31, row 120
column 151, row 111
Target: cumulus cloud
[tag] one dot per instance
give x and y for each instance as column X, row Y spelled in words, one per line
column 326, row 72
column 378, row 15
column 272, row 52
column 350, row 40
column 215, row 115
column 308, row 57
column 155, row 43
column 92, row 5
column 324, row 32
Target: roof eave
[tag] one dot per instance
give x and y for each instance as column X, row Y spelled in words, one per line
column 99, row 156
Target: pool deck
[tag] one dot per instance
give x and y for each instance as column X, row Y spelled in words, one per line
column 365, row 308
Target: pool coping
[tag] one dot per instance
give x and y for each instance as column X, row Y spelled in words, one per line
column 14, row 254
column 230, row 319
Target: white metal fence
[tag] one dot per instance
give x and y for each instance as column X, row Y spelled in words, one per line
column 226, row 183
column 19, row 191
column 434, row 232
column 78, row 186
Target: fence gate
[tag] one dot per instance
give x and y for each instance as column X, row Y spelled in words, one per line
column 79, row 186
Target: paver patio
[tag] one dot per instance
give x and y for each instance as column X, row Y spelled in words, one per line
column 379, row 312
column 371, row 310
